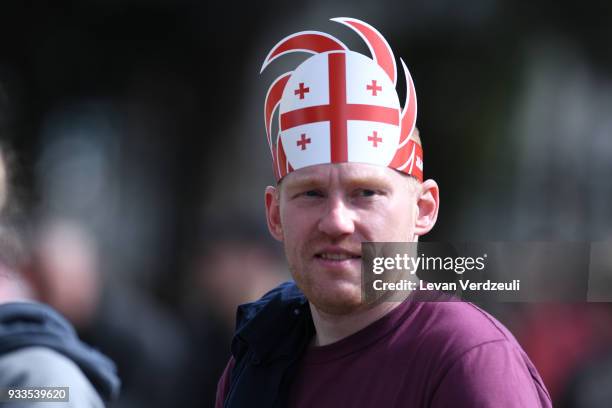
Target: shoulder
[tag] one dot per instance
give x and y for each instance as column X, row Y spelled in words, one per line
column 478, row 360
column 459, row 326
column 39, row 346
column 38, row 366
column 270, row 321
column 284, row 296
column 44, row 367
column 492, row 374
column 446, row 332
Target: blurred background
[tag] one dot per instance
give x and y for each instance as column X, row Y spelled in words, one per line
column 137, row 162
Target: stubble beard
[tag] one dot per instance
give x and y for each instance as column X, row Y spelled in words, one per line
column 338, row 299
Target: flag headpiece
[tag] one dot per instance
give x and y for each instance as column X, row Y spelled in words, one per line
column 341, row 106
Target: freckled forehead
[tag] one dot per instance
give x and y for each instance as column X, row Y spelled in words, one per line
column 341, row 172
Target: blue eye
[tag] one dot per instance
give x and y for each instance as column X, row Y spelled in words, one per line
column 313, row 193
column 367, row 193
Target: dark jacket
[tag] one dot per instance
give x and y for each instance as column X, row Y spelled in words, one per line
column 271, row 335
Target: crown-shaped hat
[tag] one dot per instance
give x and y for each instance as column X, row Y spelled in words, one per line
column 341, row 106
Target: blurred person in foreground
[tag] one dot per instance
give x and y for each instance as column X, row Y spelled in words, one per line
column 146, row 343
column 38, row 347
column 348, row 165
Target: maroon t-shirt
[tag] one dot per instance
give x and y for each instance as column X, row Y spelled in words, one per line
column 421, row 354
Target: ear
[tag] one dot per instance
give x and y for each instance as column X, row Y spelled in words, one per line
column 428, row 203
column 273, row 212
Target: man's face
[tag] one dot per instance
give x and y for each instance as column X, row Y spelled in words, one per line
column 325, row 212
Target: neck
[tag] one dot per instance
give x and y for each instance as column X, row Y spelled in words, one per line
column 331, row 328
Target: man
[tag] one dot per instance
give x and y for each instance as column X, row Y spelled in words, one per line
column 348, row 163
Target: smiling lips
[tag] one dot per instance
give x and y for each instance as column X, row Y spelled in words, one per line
column 337, row 254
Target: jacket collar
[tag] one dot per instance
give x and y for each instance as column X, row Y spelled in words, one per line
column 273, row 326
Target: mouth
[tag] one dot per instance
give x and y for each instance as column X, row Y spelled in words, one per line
column 335, row 256
column 338, row 257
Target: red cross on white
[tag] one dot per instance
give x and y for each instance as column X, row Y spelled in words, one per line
column 373, row 87
column 301, row 90
column 303, row 141
column 374, row 139
column 338, row 112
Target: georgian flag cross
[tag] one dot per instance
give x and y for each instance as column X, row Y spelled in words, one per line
column 339, row 107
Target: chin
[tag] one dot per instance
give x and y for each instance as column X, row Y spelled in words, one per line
column 334, row 297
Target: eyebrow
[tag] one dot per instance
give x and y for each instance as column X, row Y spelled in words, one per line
column 302, row 184
column 308, row 182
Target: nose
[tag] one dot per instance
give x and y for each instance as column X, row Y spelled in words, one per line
column 338, row 219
